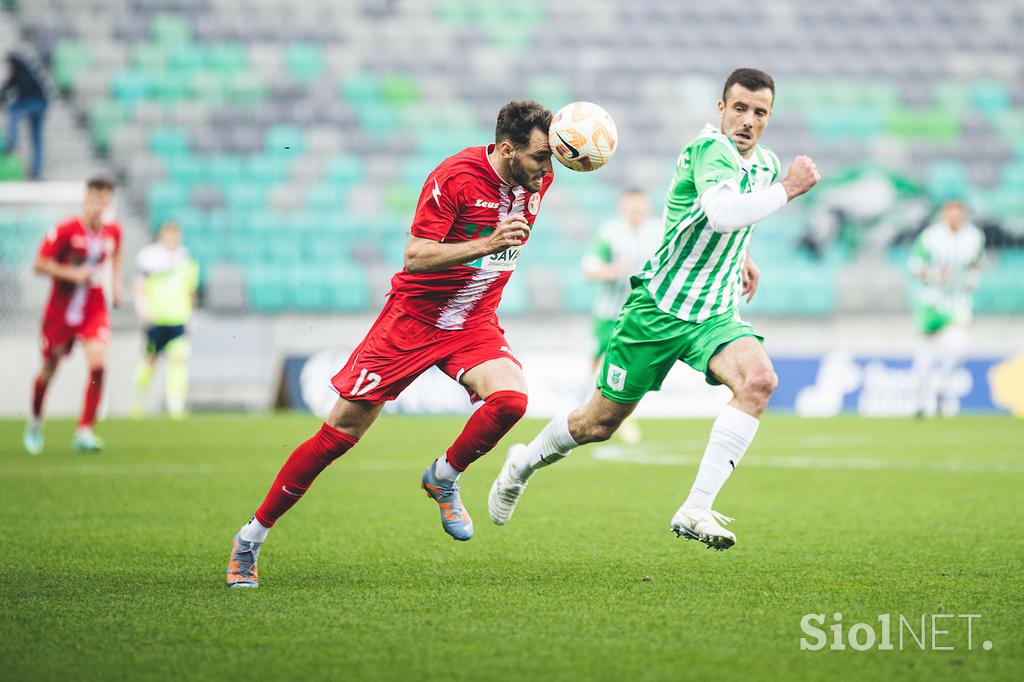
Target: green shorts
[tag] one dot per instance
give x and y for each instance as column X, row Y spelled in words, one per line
column 602, row 335
column 647, row 342
column 931, row 320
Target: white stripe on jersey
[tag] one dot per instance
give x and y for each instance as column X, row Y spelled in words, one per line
column 511, row 201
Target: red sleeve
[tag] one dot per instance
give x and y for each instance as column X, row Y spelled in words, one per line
column 438, row 205
column 56, row 242
column 115, row 233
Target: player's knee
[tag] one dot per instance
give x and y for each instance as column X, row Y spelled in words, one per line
column 760, row 385
column 508, row 406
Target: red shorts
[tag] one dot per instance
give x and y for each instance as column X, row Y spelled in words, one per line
column 399, row 348
column 58, row 336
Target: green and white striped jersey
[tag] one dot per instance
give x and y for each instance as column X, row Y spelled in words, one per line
column 950, row 262
column 695, row 273
column 626, row 248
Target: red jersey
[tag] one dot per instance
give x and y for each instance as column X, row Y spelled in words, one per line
column 72, row 243
column 464, row 198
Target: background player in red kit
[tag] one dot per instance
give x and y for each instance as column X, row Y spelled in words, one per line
column 72, row 254
column 474, row 215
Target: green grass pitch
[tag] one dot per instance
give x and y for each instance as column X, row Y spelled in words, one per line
column 112, row 566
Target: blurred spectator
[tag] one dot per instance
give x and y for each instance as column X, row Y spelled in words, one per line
column 946, row 259
column 27, row 98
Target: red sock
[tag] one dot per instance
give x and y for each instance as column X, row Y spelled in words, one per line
column 93, row 391
column 298, row 473
column 485, row 428
column 38, row 395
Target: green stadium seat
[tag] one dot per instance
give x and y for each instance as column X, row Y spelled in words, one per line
column 164, row 198
column 224, row 170
column 345, row 171
column 70, row 59
column 325, row 197
column 551, row 90
column 399, row 90
column 379, row 120
column 515, row 298
column 360, row 88
column 347, row 287
column 304, row 61
column 227, row 58
column 947, row 180
column 245, row 194
column 171, row 86
column 186, row 58
column 129, row 87
column 577, row 291
column 265, row 169
column 149, row 58
column 990, row 97
column 104, row 117
column 284, row 140
column 171, row 29
column 168, row 141
column 246, row 88
column 185, row 169
column 11, row 168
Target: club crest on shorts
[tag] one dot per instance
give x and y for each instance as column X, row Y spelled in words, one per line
column 616, row 377
column 534, row 205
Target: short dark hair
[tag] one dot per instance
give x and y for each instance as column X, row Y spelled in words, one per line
column 518, row 118
column 751, row 79
column 100, row 182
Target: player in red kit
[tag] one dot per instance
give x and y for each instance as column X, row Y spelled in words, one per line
column 473, row 218
column 72, row 255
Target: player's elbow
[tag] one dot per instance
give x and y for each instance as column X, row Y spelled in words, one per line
column 413, row 262
column 41, row 266
column 721, row 224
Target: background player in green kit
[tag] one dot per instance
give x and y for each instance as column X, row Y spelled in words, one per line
column 618, row 252
column 946, row 259
column 684, row 307
column 166, row 279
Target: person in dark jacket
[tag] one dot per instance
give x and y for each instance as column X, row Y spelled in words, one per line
column 27, row 98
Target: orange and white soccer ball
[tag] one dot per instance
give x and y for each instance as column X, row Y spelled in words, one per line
column 582, row 136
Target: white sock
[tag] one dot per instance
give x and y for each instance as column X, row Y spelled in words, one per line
column 254, row 531
column 445, row 471
column 552, row 444
column 730, row 435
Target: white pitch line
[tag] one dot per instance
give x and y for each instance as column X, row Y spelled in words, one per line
column 617, row 453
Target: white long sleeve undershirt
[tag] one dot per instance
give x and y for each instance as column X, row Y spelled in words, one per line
column 728, row 210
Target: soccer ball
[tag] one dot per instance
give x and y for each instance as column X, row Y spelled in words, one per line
column 582, row 136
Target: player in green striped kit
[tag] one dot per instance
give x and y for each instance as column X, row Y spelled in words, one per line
column 619, row 251
column 165, row 286
column 684, row 307
column 946, row 258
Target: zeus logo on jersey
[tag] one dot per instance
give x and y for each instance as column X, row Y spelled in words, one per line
column 486, row 204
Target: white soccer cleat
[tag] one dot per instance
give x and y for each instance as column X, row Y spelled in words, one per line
column 506, row 489
column 703, row 525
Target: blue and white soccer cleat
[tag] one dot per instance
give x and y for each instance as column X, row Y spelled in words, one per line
column 454, row 517
column 242, row 563
column 85, row 441
column 703, row 525
column 32, row 439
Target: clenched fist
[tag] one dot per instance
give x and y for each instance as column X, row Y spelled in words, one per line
column 511, row 231
column 802, row 176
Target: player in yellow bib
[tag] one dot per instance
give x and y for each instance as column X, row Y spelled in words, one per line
column 166, row 279
column 684, row 308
